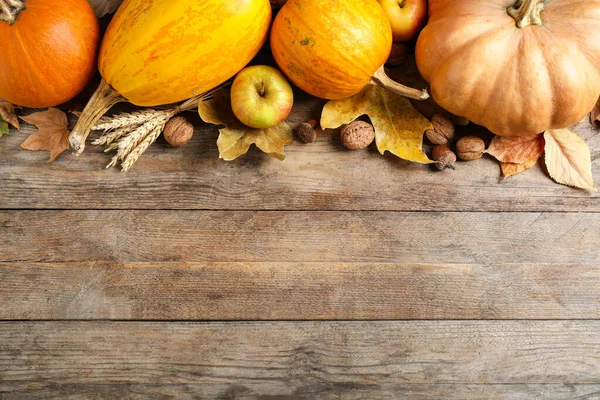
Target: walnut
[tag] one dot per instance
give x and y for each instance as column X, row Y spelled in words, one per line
column 178, row 131
column 470, row 148
column 358, row 135
column 442, row 132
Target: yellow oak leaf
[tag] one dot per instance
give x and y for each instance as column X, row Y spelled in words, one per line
column 568, row 159
column 515, row 149
column 399, row 128
column 512, row 169
column 52, row 134
column 595, row 115
column 235, row 138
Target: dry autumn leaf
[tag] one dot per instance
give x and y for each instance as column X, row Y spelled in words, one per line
column 235, row 139
column 52, row 134
column 517, row 150
column 103, row 7
column 568, row 159
column 399, row 128
column 595, row 115
column 7, row 116
column 512, row 169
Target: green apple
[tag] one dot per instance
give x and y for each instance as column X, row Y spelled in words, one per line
column 406, row 16
column 261, row 97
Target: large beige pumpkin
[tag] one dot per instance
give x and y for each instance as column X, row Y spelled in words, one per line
column 517, row 68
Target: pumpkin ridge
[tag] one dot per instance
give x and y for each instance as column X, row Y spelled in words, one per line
column 301, row 22
column 459, row 52
column 32, row 72
column 491, row 31
column 499, row 79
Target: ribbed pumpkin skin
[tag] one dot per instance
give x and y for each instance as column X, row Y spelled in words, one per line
column 513, row 81
column 164, row 51
column 48, row 55
column 331, row 48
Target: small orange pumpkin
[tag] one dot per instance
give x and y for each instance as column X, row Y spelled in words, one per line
column 517, row 68
column 48, row 50
column 333, row 49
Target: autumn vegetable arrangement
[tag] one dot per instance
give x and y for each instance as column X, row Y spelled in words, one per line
column 525, row 69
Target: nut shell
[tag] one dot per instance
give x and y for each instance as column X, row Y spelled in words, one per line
column 306, row 132
column 444, row 157
column 470, row 148
column 178, row 131
column 358, row 135
column 443, row 130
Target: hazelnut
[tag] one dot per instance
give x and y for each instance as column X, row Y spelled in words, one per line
column 178, row 131
column 306, row 131
column 398, row 55
column 470, row 148
column 442, row 132
column 444, row 157
column 358, row 135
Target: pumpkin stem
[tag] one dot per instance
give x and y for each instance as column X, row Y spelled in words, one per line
column 103, row 99
column 10, row 9
column 381, row 79
column 527, row 12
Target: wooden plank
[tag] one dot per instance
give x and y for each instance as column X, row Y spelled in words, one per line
column 287, row 358
column 244, row 236
column 331, row 392
column 297, row 291
column 320, row 176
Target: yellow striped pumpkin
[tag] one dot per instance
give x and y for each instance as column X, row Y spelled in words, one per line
column 164, row 51
column 159, row 52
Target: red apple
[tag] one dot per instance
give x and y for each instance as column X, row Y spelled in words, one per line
column 406, row 16
column 261, row 97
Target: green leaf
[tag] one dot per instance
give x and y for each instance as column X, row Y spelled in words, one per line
column 3, row 127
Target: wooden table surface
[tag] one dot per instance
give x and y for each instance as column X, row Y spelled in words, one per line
column 333, row 274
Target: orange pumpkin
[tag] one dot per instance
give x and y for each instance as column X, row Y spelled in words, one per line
column 48, row 50
column 164, row 51
column 333, row 49
column 518, row 68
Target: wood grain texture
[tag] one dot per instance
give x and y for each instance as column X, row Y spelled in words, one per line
column 320, row 176
column 232, row 236
column 297, row 291
column 329, row 392
column 285, row 359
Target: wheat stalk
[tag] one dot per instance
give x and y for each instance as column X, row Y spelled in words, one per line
column 130, row 134
column 134, row 155
column 124, row 119
column 113, row 136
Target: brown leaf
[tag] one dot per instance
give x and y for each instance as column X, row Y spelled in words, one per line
column 568, row 159
column 103, row 7
column 512, row 169
column 236, row 138
column 52, row 134
column 7, row 114
column 595, row 115
column 399, row 128
column 517, row 150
